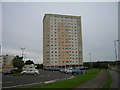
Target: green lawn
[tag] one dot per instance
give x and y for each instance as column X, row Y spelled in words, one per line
column 117, row 71
column 71, row 83
column 109, row 81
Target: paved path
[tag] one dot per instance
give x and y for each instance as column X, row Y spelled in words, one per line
column 114, row 78
column 97, row 82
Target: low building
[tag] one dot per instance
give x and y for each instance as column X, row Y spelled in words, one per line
column 7, row 62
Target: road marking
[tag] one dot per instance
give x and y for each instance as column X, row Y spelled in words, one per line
column 50, row 81
column 13, row 86
column 22, row 85
column 33, row 83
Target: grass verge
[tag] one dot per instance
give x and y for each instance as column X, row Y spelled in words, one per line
column 109, row 81
column 71, row 83
column 117, row 71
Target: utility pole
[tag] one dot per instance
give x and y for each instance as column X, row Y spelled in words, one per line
column 22, row 52
column 115, row 50
column 90, row 60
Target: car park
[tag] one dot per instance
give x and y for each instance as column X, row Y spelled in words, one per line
column 62, row 70
column 30, row 71
column 7, row 72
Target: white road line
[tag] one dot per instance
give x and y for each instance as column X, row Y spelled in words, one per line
column 33, row 83
column 50, row 81
column 22, row 85
column 13, row 86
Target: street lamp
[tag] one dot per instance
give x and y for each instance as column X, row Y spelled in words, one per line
column 90, row 60
column 22, row 52
column 115, row 50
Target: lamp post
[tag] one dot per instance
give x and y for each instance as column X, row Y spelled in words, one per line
column 90, row 60
column 22, row 52
column 115, row 50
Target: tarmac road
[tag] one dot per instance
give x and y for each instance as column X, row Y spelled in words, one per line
column 114, row 75
column 26, row 80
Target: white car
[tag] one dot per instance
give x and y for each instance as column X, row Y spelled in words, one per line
column 30, row 71
column 69, row 70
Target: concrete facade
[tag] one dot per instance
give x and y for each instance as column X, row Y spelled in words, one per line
column 62, row 41
column 7, row 62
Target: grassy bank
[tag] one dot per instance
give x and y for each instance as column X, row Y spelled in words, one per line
column 109, row 81
column 71, row 83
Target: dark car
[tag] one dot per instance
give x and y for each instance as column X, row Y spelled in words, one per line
column 7, row 72
column 78, row 71
column 84, row 68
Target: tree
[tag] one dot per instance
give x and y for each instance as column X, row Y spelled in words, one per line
column 28, row 62
column 39, row 66
column 18, row 62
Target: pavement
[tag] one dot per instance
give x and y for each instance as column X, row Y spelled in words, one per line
column 30, row 80
column 114, row 76
column 97, row 82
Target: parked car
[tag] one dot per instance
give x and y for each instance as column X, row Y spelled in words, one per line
column 68, row 70
column 62, row 70
column 30, row 71
column 78, row 71
column 55, row 69
column 7, row 72
column 84, row 68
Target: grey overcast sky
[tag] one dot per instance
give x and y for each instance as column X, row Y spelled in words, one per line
column 22, row 27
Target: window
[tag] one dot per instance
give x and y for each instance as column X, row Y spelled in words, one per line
column 55, row 61
column 67, row 61
column 55, row 48
column 47, row 51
